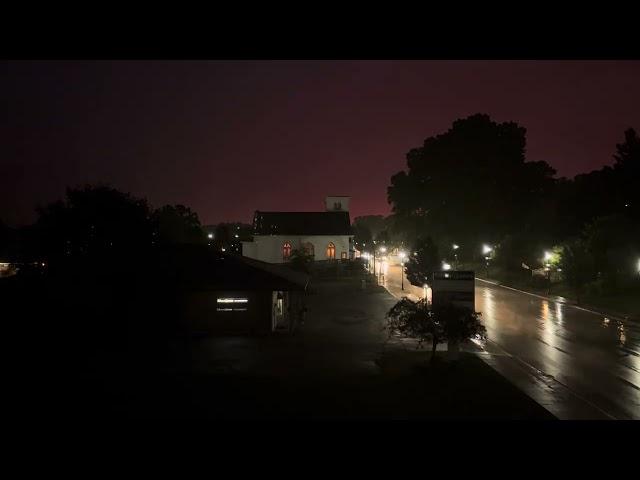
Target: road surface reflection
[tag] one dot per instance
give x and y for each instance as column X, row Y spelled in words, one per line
column 596, row 357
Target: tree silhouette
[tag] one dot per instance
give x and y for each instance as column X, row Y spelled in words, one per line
column 423, row 260
column 177, row 225
column 94, row 221
column 471, row 183
column 444, row 323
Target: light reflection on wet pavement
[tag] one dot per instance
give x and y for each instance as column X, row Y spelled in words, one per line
column 597, row 358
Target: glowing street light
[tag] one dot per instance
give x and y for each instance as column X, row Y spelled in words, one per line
column 383, row 249
column 547, row 255
column 455, row 247
column 486, row 250
column 210, row 235
column 446, row 266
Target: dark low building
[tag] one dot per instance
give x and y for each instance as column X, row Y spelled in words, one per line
column 230, row 294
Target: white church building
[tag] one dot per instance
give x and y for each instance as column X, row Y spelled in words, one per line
column 325, row 235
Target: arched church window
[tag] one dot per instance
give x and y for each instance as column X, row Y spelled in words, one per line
column 286, row 250
column 331, row 250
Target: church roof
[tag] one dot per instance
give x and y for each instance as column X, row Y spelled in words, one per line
column 301, row 223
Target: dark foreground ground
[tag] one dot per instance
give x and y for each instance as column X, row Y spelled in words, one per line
column 339, row 365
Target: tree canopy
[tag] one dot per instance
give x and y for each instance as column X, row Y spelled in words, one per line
column 423, row 260
column 471, row 182
column 177, row 224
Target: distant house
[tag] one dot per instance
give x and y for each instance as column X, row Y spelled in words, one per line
column 230, row 294
column 325, row 235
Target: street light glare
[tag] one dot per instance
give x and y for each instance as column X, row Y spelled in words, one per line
column 455, row 247
column 486, row 249
column 446, row 266
column 210, row 235
column 402, row 255
column 547, row 256
column 383, row 249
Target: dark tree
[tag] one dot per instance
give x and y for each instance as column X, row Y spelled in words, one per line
column 94, row 222
column 577, row 266
column 444, row 323
column 383, row 237
column 362, row 237
column 223, row 236
column 415, row 320
column 613, row 243
column 373, row 223
column 422, row 261
column 458, row 324
column 301, row 260
column 177, row 225
column 470, row 184
column 627, row 167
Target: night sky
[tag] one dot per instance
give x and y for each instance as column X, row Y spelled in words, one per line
column 227, row 138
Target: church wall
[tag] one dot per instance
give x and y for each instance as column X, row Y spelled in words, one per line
column 268, row 248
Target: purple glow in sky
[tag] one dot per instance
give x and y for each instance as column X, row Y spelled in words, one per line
column 227, row 138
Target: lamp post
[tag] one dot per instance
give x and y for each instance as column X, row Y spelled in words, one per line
column 455, row 255
column 402, row 257
column 486, row 250
column 547, row 269
column 382, row 250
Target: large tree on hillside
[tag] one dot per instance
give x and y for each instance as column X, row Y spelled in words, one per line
column 470, row 183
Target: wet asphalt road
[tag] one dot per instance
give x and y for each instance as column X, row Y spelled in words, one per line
column 596, row 357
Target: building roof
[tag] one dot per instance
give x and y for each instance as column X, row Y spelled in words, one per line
column 301, row 223
column 200, row 267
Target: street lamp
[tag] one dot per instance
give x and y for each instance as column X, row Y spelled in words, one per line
column 486, row 250
column 402, row 257
column 446, row 266
column 455, row 255
column 210, row 235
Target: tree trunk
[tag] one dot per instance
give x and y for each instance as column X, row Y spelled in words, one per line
column 433, row 349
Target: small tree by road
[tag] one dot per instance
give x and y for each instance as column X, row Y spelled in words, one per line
column 446, row 323
column 301, row 260
column 459, row 324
